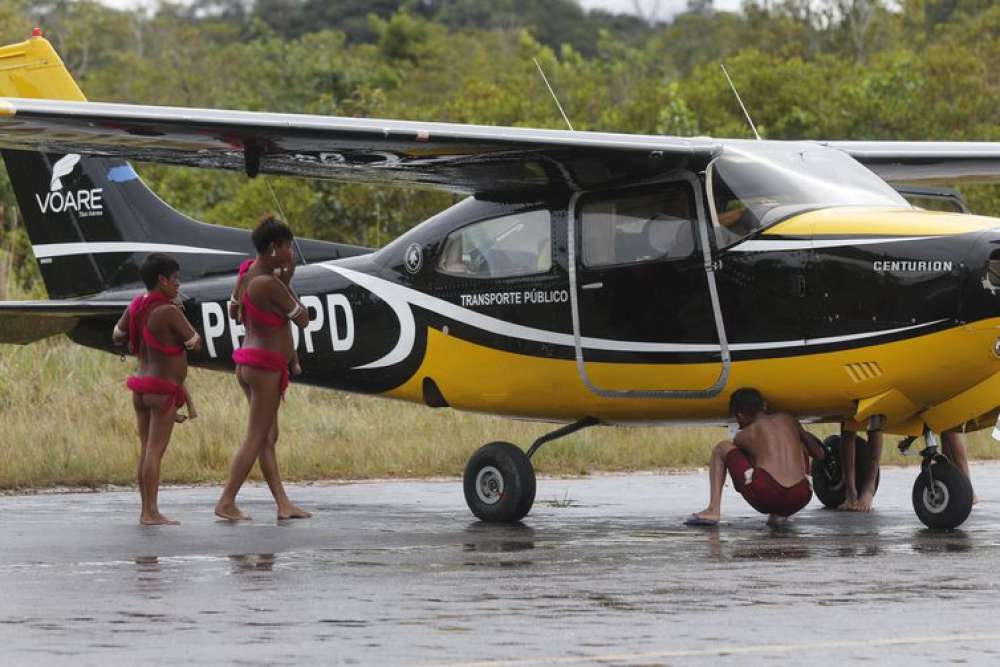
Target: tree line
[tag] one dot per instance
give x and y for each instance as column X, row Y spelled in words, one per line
column 807, row 69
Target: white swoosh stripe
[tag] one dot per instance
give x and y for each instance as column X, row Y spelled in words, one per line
column 761, row 245
column 103, row 247
column 400, row 299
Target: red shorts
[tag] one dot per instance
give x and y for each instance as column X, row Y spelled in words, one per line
column 762, row 491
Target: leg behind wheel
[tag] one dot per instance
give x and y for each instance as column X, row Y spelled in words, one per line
column 828, row 476
column 499, row 483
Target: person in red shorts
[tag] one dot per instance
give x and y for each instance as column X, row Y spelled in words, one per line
column 767, row 460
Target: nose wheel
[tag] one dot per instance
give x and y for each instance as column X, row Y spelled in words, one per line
column 942, row 494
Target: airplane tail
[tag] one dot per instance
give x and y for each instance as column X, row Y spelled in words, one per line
column 91, row 220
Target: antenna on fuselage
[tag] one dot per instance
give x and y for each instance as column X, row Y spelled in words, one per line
column 553, row 93
column 738, row 99
column 295, row 239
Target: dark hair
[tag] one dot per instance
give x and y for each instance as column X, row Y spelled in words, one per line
column 155, row 265
column 270, row 230
column 747, row 401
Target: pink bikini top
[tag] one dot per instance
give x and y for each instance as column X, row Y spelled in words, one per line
column 138, row 316
column 254, row 313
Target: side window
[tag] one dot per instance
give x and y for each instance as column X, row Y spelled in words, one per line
column 638, row 228
column 514, row 245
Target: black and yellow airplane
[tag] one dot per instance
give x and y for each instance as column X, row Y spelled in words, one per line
column 588, row 278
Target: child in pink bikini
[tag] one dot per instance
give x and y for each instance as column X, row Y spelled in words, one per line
column 158, row 335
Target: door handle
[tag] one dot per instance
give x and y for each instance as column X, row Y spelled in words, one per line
column 597, row 285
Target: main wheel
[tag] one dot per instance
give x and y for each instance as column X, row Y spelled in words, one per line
column 499, row 483
column 828, row 475
column 948, row 502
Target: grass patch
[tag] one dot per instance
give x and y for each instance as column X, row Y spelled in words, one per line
column 67, row 421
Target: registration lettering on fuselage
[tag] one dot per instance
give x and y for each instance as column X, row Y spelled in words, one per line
column 331, row 312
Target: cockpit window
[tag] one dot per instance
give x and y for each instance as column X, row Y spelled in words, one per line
column 625, row 229
column 760, row 184
column 514, row 245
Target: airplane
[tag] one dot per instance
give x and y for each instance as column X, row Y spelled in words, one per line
column 587, row 278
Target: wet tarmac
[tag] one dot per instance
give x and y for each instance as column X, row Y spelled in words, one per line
column 399, row 573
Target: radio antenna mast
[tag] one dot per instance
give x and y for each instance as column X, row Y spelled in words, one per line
column 553, row 93
column 295, row 239
column 742, row 106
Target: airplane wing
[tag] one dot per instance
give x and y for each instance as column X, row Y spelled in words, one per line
column 927, row 161
column 460, row 158
column 23, row 322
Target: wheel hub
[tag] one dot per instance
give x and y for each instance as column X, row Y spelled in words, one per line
column 936, row 499
column 489, row 485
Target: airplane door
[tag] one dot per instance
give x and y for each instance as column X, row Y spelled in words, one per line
column 646, row 312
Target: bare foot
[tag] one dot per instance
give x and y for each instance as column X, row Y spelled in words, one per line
column 292, row 511
column 708, row 515
column 776, row 520
column 230, row 512
column 157, row 519
column 864, row 503
column 850, row 504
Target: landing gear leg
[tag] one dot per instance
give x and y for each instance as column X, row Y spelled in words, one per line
column 499, row 480
column 942, row 495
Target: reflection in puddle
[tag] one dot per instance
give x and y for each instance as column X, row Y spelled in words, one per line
column 762, row 552
column 937, row 541
column 152, row 562
column 857, row 550
column 491, row 538
column 149, row 577
column 243, row 563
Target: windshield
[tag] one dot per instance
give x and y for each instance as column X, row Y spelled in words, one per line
column 758, row 184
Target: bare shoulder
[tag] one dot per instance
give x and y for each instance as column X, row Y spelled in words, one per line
column 166, row 314
column 176, row 314
column 785, row 419
column 264, row 281
column 263, row 285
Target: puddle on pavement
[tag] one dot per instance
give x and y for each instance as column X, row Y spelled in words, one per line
column 252, row 562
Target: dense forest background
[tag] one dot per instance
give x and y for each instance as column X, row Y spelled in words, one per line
column 807, row 69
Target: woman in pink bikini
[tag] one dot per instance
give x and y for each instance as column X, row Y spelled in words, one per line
column 157, row 333
column 265, row 303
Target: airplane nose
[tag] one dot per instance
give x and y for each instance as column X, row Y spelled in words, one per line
column 980, row 302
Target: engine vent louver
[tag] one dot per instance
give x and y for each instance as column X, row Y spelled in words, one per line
column 862, row 371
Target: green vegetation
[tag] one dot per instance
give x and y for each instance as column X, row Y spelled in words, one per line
column 834, row 69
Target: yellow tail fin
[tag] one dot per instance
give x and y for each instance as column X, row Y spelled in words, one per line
column 34, row 69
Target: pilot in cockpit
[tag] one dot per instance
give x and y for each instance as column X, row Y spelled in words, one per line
column 744, row 216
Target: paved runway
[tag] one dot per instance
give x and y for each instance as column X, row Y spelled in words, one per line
column 398, row 573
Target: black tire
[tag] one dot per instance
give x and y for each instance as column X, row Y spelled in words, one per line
column 499, row 483
column 948, row 506
column 828, row 477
